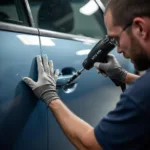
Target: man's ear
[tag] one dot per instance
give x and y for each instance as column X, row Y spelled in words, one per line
column 140, row 28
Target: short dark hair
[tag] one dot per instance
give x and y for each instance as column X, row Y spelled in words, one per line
column 124, row 11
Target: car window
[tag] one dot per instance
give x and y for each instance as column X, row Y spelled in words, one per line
column 80, row 17
column 11, row 12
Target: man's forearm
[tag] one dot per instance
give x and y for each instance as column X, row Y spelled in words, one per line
column 74, row 127
column 80, row 133
column 130, row 78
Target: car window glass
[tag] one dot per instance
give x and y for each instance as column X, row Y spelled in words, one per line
column 80, row 17
column 9, row 12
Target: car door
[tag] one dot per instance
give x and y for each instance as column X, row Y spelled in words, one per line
column 23, row 119
column 68, row 31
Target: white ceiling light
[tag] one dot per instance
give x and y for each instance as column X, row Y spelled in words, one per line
column 90, row 8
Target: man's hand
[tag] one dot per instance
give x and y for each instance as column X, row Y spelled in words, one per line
column 45, row 87
column 112, row 69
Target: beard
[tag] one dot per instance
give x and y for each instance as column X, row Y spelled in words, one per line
column 138, row 55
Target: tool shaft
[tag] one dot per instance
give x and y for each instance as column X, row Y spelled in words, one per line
column 75, row 76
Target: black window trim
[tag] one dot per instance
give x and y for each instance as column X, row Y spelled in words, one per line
column 15, row 27
column 53, row 34
column 18, row 28
column 28, row 13
column 46, row 33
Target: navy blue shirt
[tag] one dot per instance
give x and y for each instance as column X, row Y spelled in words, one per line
column 127, row 127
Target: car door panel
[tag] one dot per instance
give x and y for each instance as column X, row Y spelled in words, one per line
column 21, row 116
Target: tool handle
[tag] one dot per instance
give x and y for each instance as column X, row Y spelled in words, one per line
column 116, row 82
column 119, row 83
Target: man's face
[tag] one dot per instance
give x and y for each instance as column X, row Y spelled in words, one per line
column 129, row 45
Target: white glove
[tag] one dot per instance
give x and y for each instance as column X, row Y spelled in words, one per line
column 45, row 87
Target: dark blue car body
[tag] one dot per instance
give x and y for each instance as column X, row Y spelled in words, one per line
column 25, row 122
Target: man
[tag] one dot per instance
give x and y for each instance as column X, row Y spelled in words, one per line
column 127, row 127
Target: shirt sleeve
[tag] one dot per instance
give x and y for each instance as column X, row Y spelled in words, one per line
column 124, row 127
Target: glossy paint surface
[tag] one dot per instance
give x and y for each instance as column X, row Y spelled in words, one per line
column 23, row 119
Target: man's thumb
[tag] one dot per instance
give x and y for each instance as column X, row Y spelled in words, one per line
column 29, row 82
